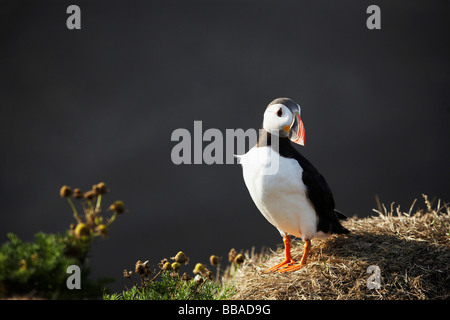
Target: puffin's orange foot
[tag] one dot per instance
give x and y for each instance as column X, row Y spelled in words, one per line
column 284, row 264
column 291, row 268
column 288, row 264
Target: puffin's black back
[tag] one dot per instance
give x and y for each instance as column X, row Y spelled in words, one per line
column 318, row 190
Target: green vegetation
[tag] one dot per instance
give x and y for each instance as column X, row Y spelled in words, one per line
column 168, row 284
column 411, row 250
column 174, row 287
column 39, row 269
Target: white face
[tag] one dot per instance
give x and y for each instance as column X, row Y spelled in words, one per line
column 278, row 118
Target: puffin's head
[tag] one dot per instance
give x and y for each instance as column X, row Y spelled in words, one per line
column 282, row 116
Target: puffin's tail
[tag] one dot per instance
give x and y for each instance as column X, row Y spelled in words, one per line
column 340, row 215
column 337, row 227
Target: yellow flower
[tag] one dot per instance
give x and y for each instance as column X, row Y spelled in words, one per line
column 181, row 258
column 239, row 259
column 102, row 230
column 199, row 268
column 23, row 265
column 167, row 266
column 82, row 230
column 176, row 266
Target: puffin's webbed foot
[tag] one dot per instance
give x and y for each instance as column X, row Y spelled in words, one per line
column 288, row 264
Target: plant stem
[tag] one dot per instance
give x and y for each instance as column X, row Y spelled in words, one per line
column 99, row 201
column 156, row 276
column 75, row 213
column 90, row 208
column 217, row 272
column 112, row 218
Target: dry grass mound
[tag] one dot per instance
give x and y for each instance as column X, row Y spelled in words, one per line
column 411, row 250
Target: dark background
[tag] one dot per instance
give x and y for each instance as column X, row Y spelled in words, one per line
column 99, row 104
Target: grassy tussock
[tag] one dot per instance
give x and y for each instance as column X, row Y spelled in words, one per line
column 411, row 250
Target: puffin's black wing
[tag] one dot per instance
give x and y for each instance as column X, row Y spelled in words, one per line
column 321, row 197
column 319, row 193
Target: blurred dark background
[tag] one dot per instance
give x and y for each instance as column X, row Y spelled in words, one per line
column 99, row 104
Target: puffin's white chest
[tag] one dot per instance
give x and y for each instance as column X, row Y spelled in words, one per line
column 281, row 197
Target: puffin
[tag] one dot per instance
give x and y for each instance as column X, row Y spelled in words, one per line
column 295, row 198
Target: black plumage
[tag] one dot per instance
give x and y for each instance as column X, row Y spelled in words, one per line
column 318, row 190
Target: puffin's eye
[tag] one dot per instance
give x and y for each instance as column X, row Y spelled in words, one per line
column 279, row 112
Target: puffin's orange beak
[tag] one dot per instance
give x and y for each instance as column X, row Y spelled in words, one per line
column 297, row 132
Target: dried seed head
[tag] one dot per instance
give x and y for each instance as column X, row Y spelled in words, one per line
column 185, row 277
column 181, row 258
column 100, row 188
column 89, row 195
column 162, row 263
column 142, row 268
column 208, row 274
column 199, row 268
column 82, row 230
column 65, row 192
column 127, row 274
column 232, row 255
column 239, row 259
column 77, row 193
column 139, row 267
column 214, row 260
column 117, row 207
